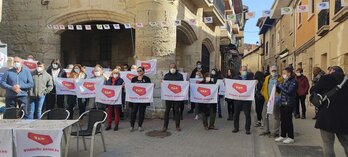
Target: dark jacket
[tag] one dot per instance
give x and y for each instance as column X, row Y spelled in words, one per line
column 302, row 85
column 335, row 118
column 61, row 74
column 288, row 90
column 242, row 101
column 317, row 78
column 258, row 89
column 193, row 74
column 173, row 77
column 216, row 77
column 144, row 80
column 23, row 79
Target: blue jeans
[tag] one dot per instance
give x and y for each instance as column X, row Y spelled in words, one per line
column 35, row 107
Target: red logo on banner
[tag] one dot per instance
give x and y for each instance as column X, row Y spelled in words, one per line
column 30, row 65
column 108, row 92
column 147, row 66
column 130, row 76
column 89, row 86
column 204, row 91
column 139, row 90
column 241, row 88
column 69, row 85
column 42, row 139
column 174, row 88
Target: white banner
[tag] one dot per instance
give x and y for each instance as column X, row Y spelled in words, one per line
column 38, row 142
column 150, row 66
column 204, row 93
column 286, row 10
column 221, row 85
column 174, row 90
column 6, row 149
column 302, row 8
column 86, row 87
column 240, row 89
column 139, row 92
column 271, row 101
column 195, row 80
column 31, row 65
column 65, row 86
column 127, row 76
column 323, row 5
column 266, row 13
column 110, row 95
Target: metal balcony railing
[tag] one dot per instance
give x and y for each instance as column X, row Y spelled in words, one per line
column 220, row 6
column 323, row 18
column 338, row 6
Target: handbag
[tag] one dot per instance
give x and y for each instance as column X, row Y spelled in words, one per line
column 318, row 100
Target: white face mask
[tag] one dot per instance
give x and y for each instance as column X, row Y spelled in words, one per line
column 243, row 73
column 17, row 65
column 30, row 59
column 115, row 75
column 273, row 74
column 207, row 79
column 285, row 76
column 172, row 70
column 97, row 74
column 199, row 66
column 213, row 72
column 197, row 76
column 77, row 70
column 40, row 69
column 134, row 70
column 55, row 66
column 298, row 74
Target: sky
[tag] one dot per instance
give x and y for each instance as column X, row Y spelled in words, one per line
column 251, row 31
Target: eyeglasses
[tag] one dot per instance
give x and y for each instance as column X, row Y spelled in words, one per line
column 139, row 71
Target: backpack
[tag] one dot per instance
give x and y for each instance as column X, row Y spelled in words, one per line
column 318, row 100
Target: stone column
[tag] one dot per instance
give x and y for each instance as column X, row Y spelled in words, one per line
column 156, row 42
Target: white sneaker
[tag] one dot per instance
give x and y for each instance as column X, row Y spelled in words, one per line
column 288, row 141
column 280, row 139
column 196, row 117
column 131, row 129
column 140, row 129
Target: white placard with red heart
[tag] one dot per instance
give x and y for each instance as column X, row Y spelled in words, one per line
column 31, row 65
column 86, row 87
column 65, row 86
column 110, row 95
column 174, row 90
column 150, row 66
column 6, row 143
column 204, row 93
column 127, row 76
column 240, row 89
column 31, row 142
column 139, row 92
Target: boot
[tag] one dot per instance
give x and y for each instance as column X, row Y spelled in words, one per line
column 230, row 117
column 303, row 116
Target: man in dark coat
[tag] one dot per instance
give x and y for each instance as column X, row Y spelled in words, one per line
column 332, row 117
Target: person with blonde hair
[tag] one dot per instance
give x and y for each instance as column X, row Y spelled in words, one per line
column 77, row 72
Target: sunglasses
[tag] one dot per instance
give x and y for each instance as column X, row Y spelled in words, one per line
column 139, row 71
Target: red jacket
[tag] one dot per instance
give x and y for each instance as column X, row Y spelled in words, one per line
column 303, row 85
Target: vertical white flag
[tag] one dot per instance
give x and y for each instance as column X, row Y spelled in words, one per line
column 110, row 95
column 139, row 92
column 174, row 90
column 323, row 5
column 240, row 89
column 208, row 20
column 116, row 26
column 177, row 22
column 150, row 66
column 266, row 13
column 86, row 87
column 286, row 10
column 204, row 93
column 271, row 101
column 302, row 8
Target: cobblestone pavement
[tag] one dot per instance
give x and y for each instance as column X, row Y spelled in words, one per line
column 194, row 141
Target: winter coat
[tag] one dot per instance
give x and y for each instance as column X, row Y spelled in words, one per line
column 303, row 85
column 264, row 90
column 173, row 77
column 288, row 90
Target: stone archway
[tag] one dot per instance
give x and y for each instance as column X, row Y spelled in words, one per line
column 206, row 54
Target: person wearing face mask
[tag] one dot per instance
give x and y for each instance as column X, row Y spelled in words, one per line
column 287, row 90
column 195, row 109
column 302, row 91
column 134, row 68
column 52, row 100
column 208, row 110
column 240, row 105
column 173, row 75
column 98, row 73
column 139, row 107
column 259, row 99
column 317, row 74
column 214, row 77
column 270, row 81
column 17, row 82
column 77, row 72
column 43, row 84
column 114, row 111
column 30, row 58
column 198, row 68
column 125, row 67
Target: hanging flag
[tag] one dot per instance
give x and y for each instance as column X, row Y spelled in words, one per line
column 271, row 101
column 88, row 27
column 302, row 8
column 139, row 92
column 150, row 66
column 116, row 26
column 61, row 27
column 70, row 27
column 208, row 19
column 139, row 25
column 127, row 76
column 79, row 27
column 106, row 26
column 177, row 23
column 164, row 24
column 204, row 93
column 240, row 89
column 127, row 26
column 250, row 15
column 267, row 13
column 55, row 27
column 286, row 10
column 323, row 5
column 30, row 65
column 99, row 27
column 86, row 87
column 174, row 90
column 107, row 94
column 153, row 24
column 192, row 22
column 65, row 86
column 50, row 26
column 231, row 17
column 344, row 3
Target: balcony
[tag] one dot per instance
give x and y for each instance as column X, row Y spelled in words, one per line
column 202, row 3
column 226, row 34
column 235, row 29
column 323, row 22
column 341, row 13
column 217, row 11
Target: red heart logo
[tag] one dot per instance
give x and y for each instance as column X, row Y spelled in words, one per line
column 42, row 139
column 108, row 92
column 130, row 76
column 174, row 88
column 147, row 66
column 139, row 90
column 241, row 88
column 30, row 65
column 204, row 91
column 89, row 85
column 69, row 85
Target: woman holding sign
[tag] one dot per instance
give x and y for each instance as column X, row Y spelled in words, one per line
column 141, row 107
column 77, row 73
column 208, row 110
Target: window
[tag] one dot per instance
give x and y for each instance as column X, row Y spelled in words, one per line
column 311, row 6
column 299, row 16
column 266, row 48
column 324, row 61
column 272, row 40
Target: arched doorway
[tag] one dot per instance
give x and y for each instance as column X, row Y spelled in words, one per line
column 205, row 58
column 90, row 47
